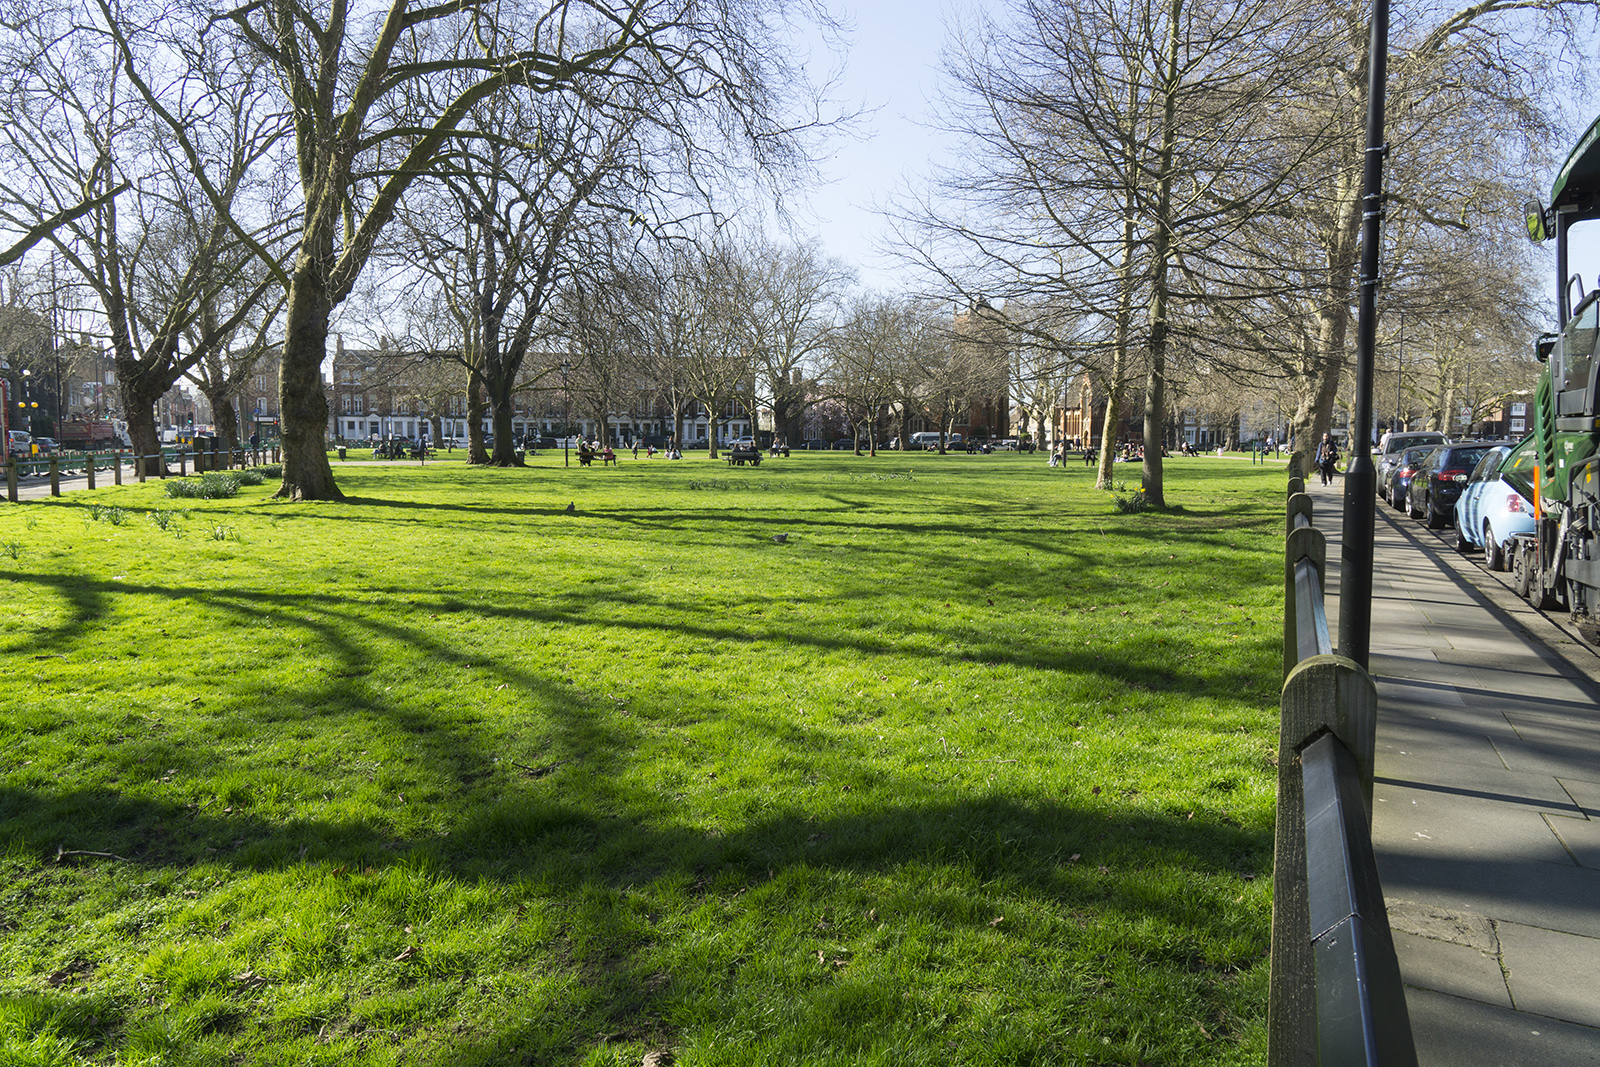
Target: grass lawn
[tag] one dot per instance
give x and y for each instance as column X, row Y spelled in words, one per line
column 970, row 769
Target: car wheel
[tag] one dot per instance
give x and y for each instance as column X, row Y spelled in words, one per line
column 1397, row 500
column 1494, row 556
column 1463, row 546
column 1435, row 520
column 1411, row 503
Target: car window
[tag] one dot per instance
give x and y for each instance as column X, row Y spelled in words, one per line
column 1488, row 468
column 1466, row 457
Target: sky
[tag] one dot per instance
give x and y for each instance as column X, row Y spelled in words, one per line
column 893, row 67
column 892, row 70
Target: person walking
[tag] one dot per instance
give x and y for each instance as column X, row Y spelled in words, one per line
column 1327, row 456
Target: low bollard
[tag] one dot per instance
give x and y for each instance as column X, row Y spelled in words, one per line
column 11, row 480
column 183, row 463
column 88, row 468
column 55, row 476
column 116, row 466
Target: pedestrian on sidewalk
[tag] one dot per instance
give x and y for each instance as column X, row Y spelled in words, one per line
column 1327, row 456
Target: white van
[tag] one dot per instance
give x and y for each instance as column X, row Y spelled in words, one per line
column 929, row 440
column 19, row 443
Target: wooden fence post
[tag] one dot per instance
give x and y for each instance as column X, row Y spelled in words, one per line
column 116, row 465
column 1323, row 694
column 55, row 476
column 1309, row 543
column 11, row 479
column 88, row 467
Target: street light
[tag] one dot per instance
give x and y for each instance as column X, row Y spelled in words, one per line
column 566, row 414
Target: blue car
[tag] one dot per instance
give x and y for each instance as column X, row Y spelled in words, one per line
column 1491, row 510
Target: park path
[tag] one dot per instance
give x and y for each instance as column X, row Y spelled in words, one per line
column 1487, row 803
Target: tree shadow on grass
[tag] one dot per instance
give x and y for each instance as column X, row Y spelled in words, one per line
column 342, row 629
column 1079, row 857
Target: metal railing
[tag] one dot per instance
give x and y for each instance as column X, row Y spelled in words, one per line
column 1336, row 996
column 90, row 464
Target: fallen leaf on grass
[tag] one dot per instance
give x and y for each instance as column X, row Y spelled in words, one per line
column 251, row 980
column 997, row 920
column 410, row 952
column 658, row 1058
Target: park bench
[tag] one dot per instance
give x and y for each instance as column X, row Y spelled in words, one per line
column 738, row 457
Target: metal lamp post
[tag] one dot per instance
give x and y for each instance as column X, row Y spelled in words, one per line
column 1360, row 479
column 566, row 415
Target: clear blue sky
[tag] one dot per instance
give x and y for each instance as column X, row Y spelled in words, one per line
column 892, row 68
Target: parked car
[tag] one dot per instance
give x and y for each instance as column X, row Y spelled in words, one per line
column 1490, row 510
column 1401, row 471
column 816, row 444
column 1007, row 445
column 1395, row 447
column 1439, row 480
column 844, row 444
column 48, row 446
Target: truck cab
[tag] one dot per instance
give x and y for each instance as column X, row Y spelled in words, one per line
column 1558, row 465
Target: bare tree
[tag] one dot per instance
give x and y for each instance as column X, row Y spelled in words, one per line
column 796, row 293
column 164, row 261
column 701, row 298
column 379, row 102
column 1123, row 143
column 870, row 359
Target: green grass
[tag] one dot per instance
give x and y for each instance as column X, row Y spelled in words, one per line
column 970, row 769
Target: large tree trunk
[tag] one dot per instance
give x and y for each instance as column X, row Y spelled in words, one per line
column 505, row 449
column 224, row 417
column 477, row 452
column 302, row 403
column 1155, row 390
column 142, row 429
column 711, row 431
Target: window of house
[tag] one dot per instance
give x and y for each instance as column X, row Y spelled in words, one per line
column 359, row 401
column 261, row 403
column 344, row 404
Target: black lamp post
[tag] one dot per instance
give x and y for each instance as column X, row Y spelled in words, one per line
column 1360, row 479
column 566, row 415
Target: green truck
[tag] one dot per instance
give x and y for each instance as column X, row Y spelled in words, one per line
column 1558, row 465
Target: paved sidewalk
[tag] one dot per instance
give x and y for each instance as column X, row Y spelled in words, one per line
column 1487, row 798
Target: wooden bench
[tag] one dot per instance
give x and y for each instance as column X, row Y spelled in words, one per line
column 738, row 457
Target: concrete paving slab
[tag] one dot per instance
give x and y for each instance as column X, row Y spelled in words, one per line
column 1399, row 745
column 1411, row 692
column 1581, row 836
column 1585, row 794
column 1550, row 972
column 1553, row 761
column 1510, row 887
column 1456, row 1032
column 1460, row 970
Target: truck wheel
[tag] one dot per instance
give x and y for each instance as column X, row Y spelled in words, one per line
column 1494, row 556
column 1519, row 572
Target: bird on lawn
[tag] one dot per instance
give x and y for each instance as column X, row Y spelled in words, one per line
column 572, row 508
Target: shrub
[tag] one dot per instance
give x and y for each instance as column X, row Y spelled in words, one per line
column 250, row 477
column 212, row 485
column 1129, row 505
